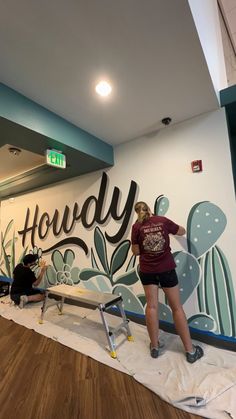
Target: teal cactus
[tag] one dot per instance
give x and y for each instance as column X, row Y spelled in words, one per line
column 199, row 321
column 130, row 301
column 202, row 322
column 216, row 291
column 109, row 270
column 189, row 275
column 62, row 271
column 98, row 283
column 161, row 205
column 106, row 278
column 216, row 298
column 165, row 313
column 206, row 222
column 188, row 272
column 8, row 252
column 142, row 299
column 131, row 263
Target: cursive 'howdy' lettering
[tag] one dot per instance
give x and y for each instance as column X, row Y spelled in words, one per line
column 42, row 225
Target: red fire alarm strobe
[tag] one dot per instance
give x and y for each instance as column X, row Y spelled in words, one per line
column 196, row 165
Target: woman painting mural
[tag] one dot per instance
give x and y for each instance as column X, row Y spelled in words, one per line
column 150, row 240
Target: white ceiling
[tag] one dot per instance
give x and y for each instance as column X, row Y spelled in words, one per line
column 55, row 51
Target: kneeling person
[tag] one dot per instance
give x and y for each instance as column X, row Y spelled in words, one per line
column 24, row 282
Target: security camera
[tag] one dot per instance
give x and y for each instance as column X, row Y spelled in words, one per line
column 15, row 151
column 166, row 121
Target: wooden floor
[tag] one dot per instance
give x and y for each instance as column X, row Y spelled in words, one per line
column 42, row 379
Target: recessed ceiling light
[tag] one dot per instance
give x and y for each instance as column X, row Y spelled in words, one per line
column 103, row 88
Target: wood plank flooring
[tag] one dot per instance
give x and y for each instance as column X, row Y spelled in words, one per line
column 42, row 379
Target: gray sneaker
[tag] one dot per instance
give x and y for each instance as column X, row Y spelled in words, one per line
column 23, row 301
column 196, row 355
column 154, row 352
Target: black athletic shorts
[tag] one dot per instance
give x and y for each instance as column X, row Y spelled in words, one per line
column 167, row 279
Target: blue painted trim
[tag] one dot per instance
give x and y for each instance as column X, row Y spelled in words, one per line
column 139, row 316
column 23, row 111
column 213, row 335
column 6, row 279
column 202, row 332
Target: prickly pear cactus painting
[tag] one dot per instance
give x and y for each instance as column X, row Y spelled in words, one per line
column 206, row 222
column 216, row 297
column 204, row 269
column 161, row 205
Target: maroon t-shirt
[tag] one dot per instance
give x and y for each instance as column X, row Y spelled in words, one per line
column 152, row 236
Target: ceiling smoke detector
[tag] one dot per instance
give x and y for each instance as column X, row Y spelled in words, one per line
column 14, row 150
column 166, row 121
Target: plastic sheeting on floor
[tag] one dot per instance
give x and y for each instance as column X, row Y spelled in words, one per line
column 206, row 388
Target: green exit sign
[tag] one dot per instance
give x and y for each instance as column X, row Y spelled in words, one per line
column 56, row 159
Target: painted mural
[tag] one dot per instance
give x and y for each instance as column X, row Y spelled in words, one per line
column 203, row 270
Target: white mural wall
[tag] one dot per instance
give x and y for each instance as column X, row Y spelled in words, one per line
column 82, row 227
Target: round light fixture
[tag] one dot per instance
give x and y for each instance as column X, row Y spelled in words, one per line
column 103, row 88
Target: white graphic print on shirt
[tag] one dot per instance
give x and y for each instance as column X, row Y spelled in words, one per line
column 154, row 240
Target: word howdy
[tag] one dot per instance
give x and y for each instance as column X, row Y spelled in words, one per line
column 90, row 213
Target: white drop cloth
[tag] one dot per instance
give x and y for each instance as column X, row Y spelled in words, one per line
column 206, row 388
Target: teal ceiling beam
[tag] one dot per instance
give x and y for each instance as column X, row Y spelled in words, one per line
column 23, row 111
column 228, row 95
column 26, row 125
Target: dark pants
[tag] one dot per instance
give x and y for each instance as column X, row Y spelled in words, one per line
column 15, row 295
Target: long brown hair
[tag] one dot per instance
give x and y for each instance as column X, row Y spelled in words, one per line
column 143, row 211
